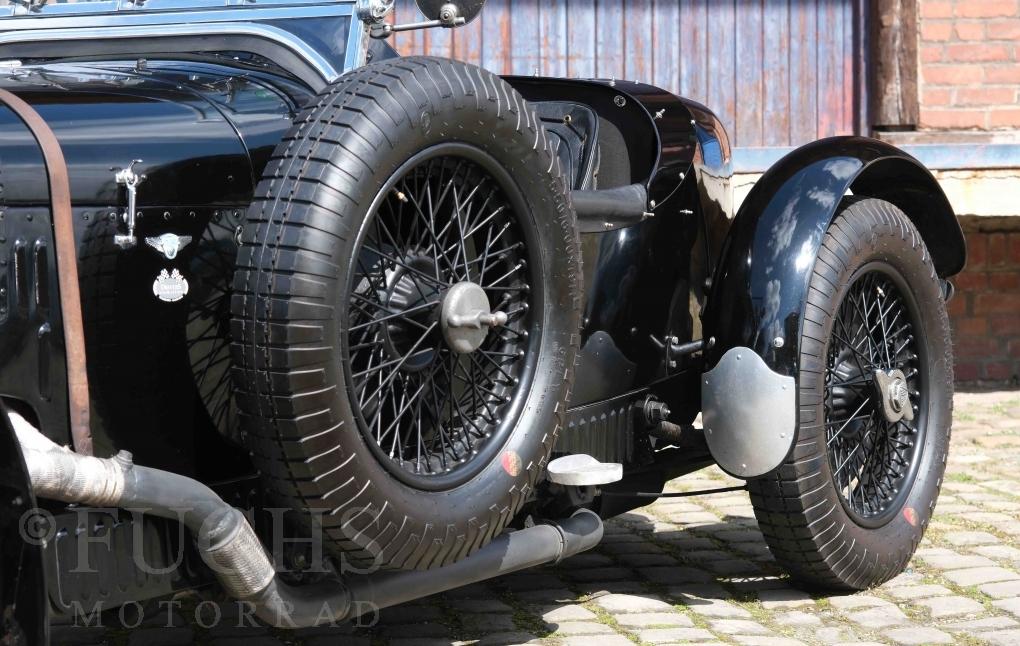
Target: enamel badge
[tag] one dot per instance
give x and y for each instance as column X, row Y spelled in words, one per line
column 170, row 287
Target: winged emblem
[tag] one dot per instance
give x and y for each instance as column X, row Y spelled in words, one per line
column 168, row 244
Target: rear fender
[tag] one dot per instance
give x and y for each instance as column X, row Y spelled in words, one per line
column 756, row 305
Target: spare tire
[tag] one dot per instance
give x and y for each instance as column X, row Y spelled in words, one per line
column 406, row 311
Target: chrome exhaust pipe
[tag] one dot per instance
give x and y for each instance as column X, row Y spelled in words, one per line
column 231, row 549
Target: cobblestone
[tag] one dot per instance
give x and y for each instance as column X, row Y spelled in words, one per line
column 697, row 570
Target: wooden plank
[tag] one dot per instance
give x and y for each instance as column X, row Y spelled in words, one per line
column 831, row 101
column 496, row 45
column 555, row 49
column 525, row 41
column 803, row 71
column 407, row 43
column 748, row 75
column 609, row 40
column 694, row 50
column 581, row 28
column 468, row 42
column 666, row 45
column 776, row 73
column 722, row 89
column 637, row 32
column 894, row 101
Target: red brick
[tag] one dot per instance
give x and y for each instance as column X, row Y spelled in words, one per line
column 973, row 326
column 985, row 8
column 937, row 97
column 1014, row 348
column 953, row 74
column 931, row 53
column 1004, row 74
column 986, row 95
column 964, row 52
column 1000, row 370
column 953, row 118
column 1003, row 29
column 932, row 9
column 936, row 30
column 957, row 307
column 1004, row 118
column 998, row 250
column 977, row 251
column 1014, row 249
column 968, row 371
column 970, row 30
column 970, row 281
column 997, row 304
column 1009, row 281
column 972, row 347
column 1003, row 325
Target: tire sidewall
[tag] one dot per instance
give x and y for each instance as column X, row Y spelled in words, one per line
column 892, row 543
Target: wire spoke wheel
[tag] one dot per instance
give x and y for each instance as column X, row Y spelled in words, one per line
column 873, row 392
column 208, row 324
column 438, row 314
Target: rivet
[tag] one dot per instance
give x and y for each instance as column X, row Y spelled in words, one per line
column 620, row 101
column 739, row 357
column 29, row 217
column 778, row 342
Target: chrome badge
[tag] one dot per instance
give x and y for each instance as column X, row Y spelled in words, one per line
column 170, row 287
column 169, row 244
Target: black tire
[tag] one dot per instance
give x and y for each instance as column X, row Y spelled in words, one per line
column 301, row 263
column 851, row 532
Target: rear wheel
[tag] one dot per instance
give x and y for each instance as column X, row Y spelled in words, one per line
column 406, row 309
column 850, row 505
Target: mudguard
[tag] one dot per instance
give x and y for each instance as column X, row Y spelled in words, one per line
column 760, row 286
column 23, row 605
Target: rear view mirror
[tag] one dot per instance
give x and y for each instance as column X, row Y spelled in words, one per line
column 451, row 14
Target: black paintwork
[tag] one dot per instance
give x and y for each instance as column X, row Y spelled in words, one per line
column 646, row 282
column 23, row 605
column 204, row 133
column 760, row 286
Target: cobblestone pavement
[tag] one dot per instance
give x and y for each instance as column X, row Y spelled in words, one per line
column 696, row 570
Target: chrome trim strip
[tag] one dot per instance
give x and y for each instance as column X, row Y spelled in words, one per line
column 321, row 64
column 357, row 46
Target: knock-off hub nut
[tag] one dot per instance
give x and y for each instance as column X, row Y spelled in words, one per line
column 466, row 317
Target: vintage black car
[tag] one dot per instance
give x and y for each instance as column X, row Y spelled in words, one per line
column 267, row 287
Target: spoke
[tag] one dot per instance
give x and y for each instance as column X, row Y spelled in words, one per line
column 395, row 315
column 847, row 422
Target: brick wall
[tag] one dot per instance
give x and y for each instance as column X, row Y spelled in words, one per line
column 969, row 73
column 985, row 312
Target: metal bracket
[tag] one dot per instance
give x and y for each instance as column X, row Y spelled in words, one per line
column 130, row 180
column 449, row 17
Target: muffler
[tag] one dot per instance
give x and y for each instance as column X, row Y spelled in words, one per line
column 229, row 546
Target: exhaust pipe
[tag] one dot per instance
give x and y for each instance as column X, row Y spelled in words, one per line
column 229, row 546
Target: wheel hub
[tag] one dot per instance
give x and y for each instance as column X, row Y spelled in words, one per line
column 892, row 391
column 466, row 317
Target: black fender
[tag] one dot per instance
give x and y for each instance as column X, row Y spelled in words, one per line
column 24, row 609
column 761, row 283
column 755, row 309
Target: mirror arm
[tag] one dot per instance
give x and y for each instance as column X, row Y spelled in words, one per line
column 383, row 30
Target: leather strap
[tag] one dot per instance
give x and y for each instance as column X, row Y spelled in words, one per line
column 67, row 269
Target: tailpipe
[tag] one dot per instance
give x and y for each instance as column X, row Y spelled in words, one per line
column 229, row 546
